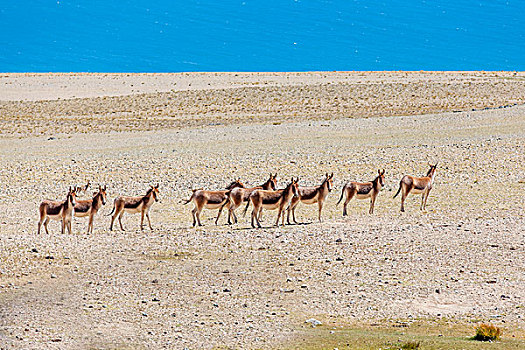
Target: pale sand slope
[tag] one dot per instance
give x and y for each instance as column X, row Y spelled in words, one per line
column 168, row 101
column 53, row 86
column 177, row 286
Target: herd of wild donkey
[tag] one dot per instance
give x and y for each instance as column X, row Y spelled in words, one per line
column 262, row 197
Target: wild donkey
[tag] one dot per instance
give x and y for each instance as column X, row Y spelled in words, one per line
column 239, row 195
column 210, row 200
column 89, row 207
column 417, row 185
column 362, row 191
column 80, row 191
column 135, row 205
column 60, row 211
column 272, row 200
column 311, row 195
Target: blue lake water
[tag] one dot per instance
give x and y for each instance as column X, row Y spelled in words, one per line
column 271, row 35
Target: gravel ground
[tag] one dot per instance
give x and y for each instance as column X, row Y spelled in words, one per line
column 218, row 286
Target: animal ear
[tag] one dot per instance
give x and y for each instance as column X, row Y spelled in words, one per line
column 332, row 175
column 157, row 185
column 379, row 171
column 383, row 172
column 94, row 194
column 104, row 187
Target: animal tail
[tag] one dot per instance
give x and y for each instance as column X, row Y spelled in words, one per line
column 342, row 194
column 246, row 209
column 192, row 195
column 114, row 206
column 227, row 200
column 399, row 190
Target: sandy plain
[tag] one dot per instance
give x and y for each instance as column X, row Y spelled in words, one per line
column 459, row 263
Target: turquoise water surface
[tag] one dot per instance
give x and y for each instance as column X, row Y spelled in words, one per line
column 272, row 35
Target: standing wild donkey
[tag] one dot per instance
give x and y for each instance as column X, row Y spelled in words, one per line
column 417, row 185
column 363, row 190
column 272, row 200
column 60, row 211
column 311, row 195
column 89, row 207
column 239, row 195
column 210, row 200
column 135, row 205
column 80, row 191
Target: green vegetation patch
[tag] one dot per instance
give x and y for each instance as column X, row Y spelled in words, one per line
column 418, row 335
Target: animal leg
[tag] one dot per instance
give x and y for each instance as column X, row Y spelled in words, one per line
column 45, row 225
column 193, row 215
column 90, row 224
column 149, row 222
column 142, row 220
column 279, row 216
column 218, row 215
column 426, row 197
column 40, row 224
column 403, row 197
column 320, row 204
column 347, row 200
column 372, row 203
column 255, row 211
column 198, row 214
column 230, row 216
column 120, row 220
column 234, row 216
column 293, row 216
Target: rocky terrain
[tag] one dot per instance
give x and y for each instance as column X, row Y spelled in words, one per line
column 459, row 263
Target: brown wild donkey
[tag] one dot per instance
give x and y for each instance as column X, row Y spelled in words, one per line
column 363, row 190
column 239, row 195
column 80, row 191
column 311, row 195
column 59, row 211
column 417, row 185
column 89, row 207
column 210, row 200
column 135, row 205
column 272, row 200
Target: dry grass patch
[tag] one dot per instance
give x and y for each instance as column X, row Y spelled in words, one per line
column 411, row 345
column 434, row 335
column 487, row 332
